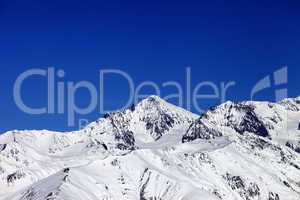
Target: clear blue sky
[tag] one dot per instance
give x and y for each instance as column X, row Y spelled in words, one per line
column 241, row 41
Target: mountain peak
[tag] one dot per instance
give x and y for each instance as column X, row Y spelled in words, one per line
column 155, row 101
column 153, row 116
column 292, row 104
column 154, row 98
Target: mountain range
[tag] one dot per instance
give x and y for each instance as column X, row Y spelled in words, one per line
column 156, row 151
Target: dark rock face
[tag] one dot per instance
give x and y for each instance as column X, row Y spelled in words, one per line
column 159, row 126
column 106, row 116
column 199, row 130
column 132, row 108
column 237, row 184
column 66, row 171
column 249, row 122
column 96, row 143
column 159, row 117
column 156, row 119
column 286, row 184
column 144, row 183
column 127, row 138
column 10, row 179
column 299, row 126
column 3, row 147
column 293, row 146
column 104, row 146
column 160, row 122
column 255, row 142
column 273, row 196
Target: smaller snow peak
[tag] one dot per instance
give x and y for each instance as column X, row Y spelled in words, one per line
column 241, row 117
column 291, row 104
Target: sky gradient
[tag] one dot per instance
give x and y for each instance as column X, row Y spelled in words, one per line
column 150, row 40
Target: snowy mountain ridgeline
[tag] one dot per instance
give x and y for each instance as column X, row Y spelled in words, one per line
column 157, row 151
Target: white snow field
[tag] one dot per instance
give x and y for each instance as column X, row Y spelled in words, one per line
column 157, row 151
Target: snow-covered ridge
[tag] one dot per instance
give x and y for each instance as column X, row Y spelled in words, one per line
column 155, row 150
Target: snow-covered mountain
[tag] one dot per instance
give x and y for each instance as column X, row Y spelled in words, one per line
column 157, row 151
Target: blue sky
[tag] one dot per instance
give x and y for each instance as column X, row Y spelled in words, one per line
column 150, row 40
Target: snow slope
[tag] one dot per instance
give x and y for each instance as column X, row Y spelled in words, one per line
column 155, row 150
